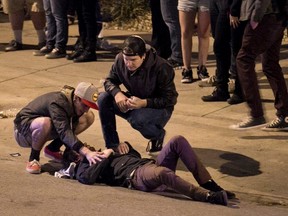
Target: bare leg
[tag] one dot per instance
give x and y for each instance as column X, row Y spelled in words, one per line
column 187, row 22
column 203, row 36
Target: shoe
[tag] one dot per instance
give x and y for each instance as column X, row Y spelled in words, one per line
column 175, row 64
column 187, row 76
column 86, row 56
column 210, row 82
column 235, row 99
column 71, row 19
column 249, row 123
column 75, row 54
column 13, row 46
column 41, row 45
column 155, row 145
column 278, row 124
column 217, row 95
column 211, row 185
column 56, row 53
column 56, row 156
column 43, row 51
column 202, row 73
column 33, row 167
column 219, row 198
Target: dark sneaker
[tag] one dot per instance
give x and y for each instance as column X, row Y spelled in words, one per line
column 211, row 185
column 56, row 53
column 249, row 123
column 13, row 46
column 278, row 124
column 75, row 54
column 217, row 95
column 210, row 82
column 43, row 51
column 86, row 56
column 71, row 19
column 187, row 76
column 219, row 198
column 154, row 146
column 202, row 73
column 235, row 99
column 175, row 64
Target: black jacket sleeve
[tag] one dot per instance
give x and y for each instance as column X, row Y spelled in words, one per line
column 87, row 174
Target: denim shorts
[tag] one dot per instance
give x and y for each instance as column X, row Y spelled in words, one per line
column 193, row 5
column 12, row 6
column 23, row 141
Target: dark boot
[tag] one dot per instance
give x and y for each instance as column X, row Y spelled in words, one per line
column 86, row 56
column 89, row 53
column 217, row 95
column 78, row 50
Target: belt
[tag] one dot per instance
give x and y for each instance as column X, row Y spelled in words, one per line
column 129, row 179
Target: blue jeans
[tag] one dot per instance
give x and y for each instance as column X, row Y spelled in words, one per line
column 159, row 176
column 149, row 122
column 170, row 16
column 220, row 27
column 57, row 23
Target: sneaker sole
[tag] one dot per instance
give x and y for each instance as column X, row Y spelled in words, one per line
column 274, row 129
column 33, row 171
column 235, row 127
column 39, row 54
column 186, row 81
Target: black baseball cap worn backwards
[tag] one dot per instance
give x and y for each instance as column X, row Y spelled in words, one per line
column 134, row 45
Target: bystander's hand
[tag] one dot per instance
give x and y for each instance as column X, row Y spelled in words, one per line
column 136, row 103
column 123, row 148
column 234, row 21
column 121, row 101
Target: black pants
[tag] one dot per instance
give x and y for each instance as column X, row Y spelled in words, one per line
column 220, row 26
column 264, row 40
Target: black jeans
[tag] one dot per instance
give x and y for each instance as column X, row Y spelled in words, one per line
column 87, row 23
column 265, row 39
column 160, row 32
column 220, row 26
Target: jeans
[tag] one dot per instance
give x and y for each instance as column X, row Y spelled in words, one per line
column 149, row 122
column 220, row 27
column 159, row 176
column 266, row 40
column 57, row 23
column 87, row 22
column 171, row 18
